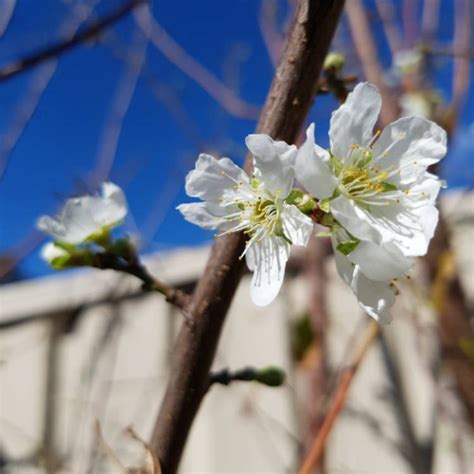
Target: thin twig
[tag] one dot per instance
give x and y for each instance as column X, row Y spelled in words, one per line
column 17, row 67
column 192, row 68
column 367, row 52
column 287, row 104
column 386, row 11
column 339, row 399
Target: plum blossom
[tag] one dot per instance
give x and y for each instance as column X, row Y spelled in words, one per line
column 370, row 271
column 233, row 201
column 86, row 216
column 376, row 185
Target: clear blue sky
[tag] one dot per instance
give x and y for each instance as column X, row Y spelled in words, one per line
column 59, row 147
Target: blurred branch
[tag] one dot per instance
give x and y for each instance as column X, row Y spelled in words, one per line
column 462, row 44
column 429, row 22
column 6, row 12
column 338, row 400
column 20, row 66
column 409, row 10
column 38, row 84
column 367, row 52
column 387, row 14
column 287, row 104
column 455, row 329
column 272, row 37
column 120, row 105
column 192, row 68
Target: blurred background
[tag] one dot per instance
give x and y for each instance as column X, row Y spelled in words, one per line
column 117, row 90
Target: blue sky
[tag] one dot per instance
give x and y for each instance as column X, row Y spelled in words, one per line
column 59, row 147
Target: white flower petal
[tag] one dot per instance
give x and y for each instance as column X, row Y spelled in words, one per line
column 275, row 162
column 380, row 263
column 267, row 260
column 204, row 214
column 356, row 220
column 81, row 217
column 375, row 297
column 413, row 143
column 296, row 225
column 50, row 251
column 353, row 122
column 344, row 266
column 211, row 177
column 312, row 170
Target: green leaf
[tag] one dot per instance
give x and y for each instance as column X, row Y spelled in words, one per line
column 295, row 196
column 348, row 246
column 70, row 248
column 324, row 205
column 61, row 262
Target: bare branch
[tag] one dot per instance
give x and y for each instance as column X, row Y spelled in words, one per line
column 462, row 44
column 287, row 104
column 11, row 70
column 338, row 400
column 194, row 70
column 386, row 12
column 367, row 52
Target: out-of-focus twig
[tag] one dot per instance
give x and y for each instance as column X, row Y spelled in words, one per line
column 51, row 52
column 367, row 53
column 38, row 84
column 6, row 12
column 429, row 21
column 462, row 43
column 272, row 37
column 338, row 400
column 409, row 10
column 192, row 68
column 120, row 105
column 386, row 11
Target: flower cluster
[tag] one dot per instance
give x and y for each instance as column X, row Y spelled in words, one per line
column 374, row 191
column 371, row 190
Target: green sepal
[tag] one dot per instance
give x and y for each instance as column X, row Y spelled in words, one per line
column 336, row 164
column 327, row 220
column 388, row 187
column 295, row 196
column 304, row 202
column 348, row 246
column 324, row 205
column 123, row 248
column 280, row 233
column 102, row 237
column 70, row 248
column 334, row 61
column 61, row 262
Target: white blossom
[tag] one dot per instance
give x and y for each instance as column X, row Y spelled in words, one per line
column 370, row 271
column 377, row 184
column 233, row 201
column 50, row 251
column 85, row 216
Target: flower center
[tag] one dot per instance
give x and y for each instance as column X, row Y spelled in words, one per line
column 258, row 215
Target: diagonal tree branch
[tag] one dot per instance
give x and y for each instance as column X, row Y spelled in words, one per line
column 17, row 67
column 287, row 104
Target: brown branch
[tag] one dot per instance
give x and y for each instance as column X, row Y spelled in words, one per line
column 287, row 104
column 367, row 53
column 338, row 400
column 11, row 70
column 462, row 43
